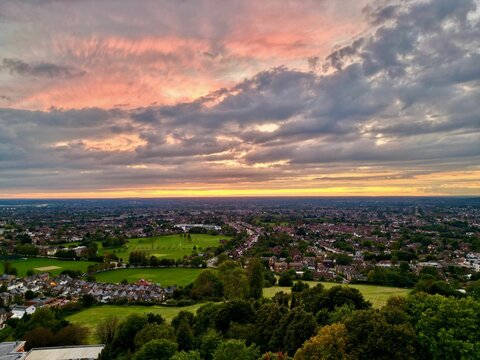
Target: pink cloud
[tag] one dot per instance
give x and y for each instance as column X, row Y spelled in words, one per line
column 165, row 54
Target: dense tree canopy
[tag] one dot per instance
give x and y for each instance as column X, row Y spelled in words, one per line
column 312, row 323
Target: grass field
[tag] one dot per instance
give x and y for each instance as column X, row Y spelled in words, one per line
column 165, row 276
column 52, row 266
column 377, row 295
column 168, row 246
column 91, row 317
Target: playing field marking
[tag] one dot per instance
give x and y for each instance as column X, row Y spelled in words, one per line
column 47, row 268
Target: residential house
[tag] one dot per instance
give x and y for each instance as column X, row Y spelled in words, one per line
column 19, row 311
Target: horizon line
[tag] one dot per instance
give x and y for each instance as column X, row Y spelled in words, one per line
column 242, row 197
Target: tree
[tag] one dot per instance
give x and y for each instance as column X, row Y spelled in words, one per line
column 39, row 337
column 307, row 275
column 209, row 342
column 285, row 280
column 269, row 277
column 44, row 317
column 447, row 327
column 443, row 288
column 106, row 330
column 154, row 332
column 281, row 298
column 238, row 311
column 299, row 287
column 87, row 300
column 155, row 318
column 236, row 349
column 343, row 259
column 29, row 295
column 190, row 355
column 205, row 318
column 9, row 269
column 243, row 331
column 234, row 280
column 30, row 272
column 92, row 250
column 138, row 258
column 384, row 334
column 340, row 295
column 66, row 254
column 207, row 285
column 74, row 274
column 182, row 315
column 430, row 270
column 153, row 261
column 156, row 350
column 297, row 327
column 71, row 335
column 474, row 289
column 255, row 278
column 125, row 335
column 184, row 335
column 329, row 344
column 267, row 319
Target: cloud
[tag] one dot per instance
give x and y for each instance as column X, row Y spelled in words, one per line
column 161, row 51
column 396, row 107
column 43, row 69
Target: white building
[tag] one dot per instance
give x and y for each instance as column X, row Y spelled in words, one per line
column 20, row 311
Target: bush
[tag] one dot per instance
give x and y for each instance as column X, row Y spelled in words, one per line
column 285, row 280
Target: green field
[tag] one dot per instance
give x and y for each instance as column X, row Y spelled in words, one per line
column 52, row 266
column 377, row 295
column 91, row 317
column 164, row 276
column 167, row 246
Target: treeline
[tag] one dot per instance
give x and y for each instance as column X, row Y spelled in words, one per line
column 140, row 258
column 428, row 280
column 113, row 241
column 308, row 324
column 228, row 281
column 420, row 326
column 237, row 329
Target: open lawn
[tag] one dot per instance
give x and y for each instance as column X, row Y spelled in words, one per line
column 163, row 276
column 52, row 266
column 169, row 246
column 91, row 317
column 377, row 295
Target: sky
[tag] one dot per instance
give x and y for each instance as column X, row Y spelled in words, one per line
column 172, row 98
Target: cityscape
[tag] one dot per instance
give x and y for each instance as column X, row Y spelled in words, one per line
column 239, row 180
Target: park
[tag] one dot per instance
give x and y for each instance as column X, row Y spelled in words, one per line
column 52, row 266
column 162, row 276
column 174, row 246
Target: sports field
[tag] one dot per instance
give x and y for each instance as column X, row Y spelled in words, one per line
column 52, row 266
column 168, row 246
column 377, row 295
column 163, row 276
column 92, row 316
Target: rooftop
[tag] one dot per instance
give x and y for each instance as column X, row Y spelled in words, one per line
column 83, row 352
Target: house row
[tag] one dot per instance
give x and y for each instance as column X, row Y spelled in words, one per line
column 141, row 291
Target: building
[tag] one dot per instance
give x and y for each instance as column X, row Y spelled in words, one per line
column 12, row 350
column 83, row 352
column 19, row 311
column 186, row 227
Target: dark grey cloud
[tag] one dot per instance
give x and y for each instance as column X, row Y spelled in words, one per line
column 39, row 69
